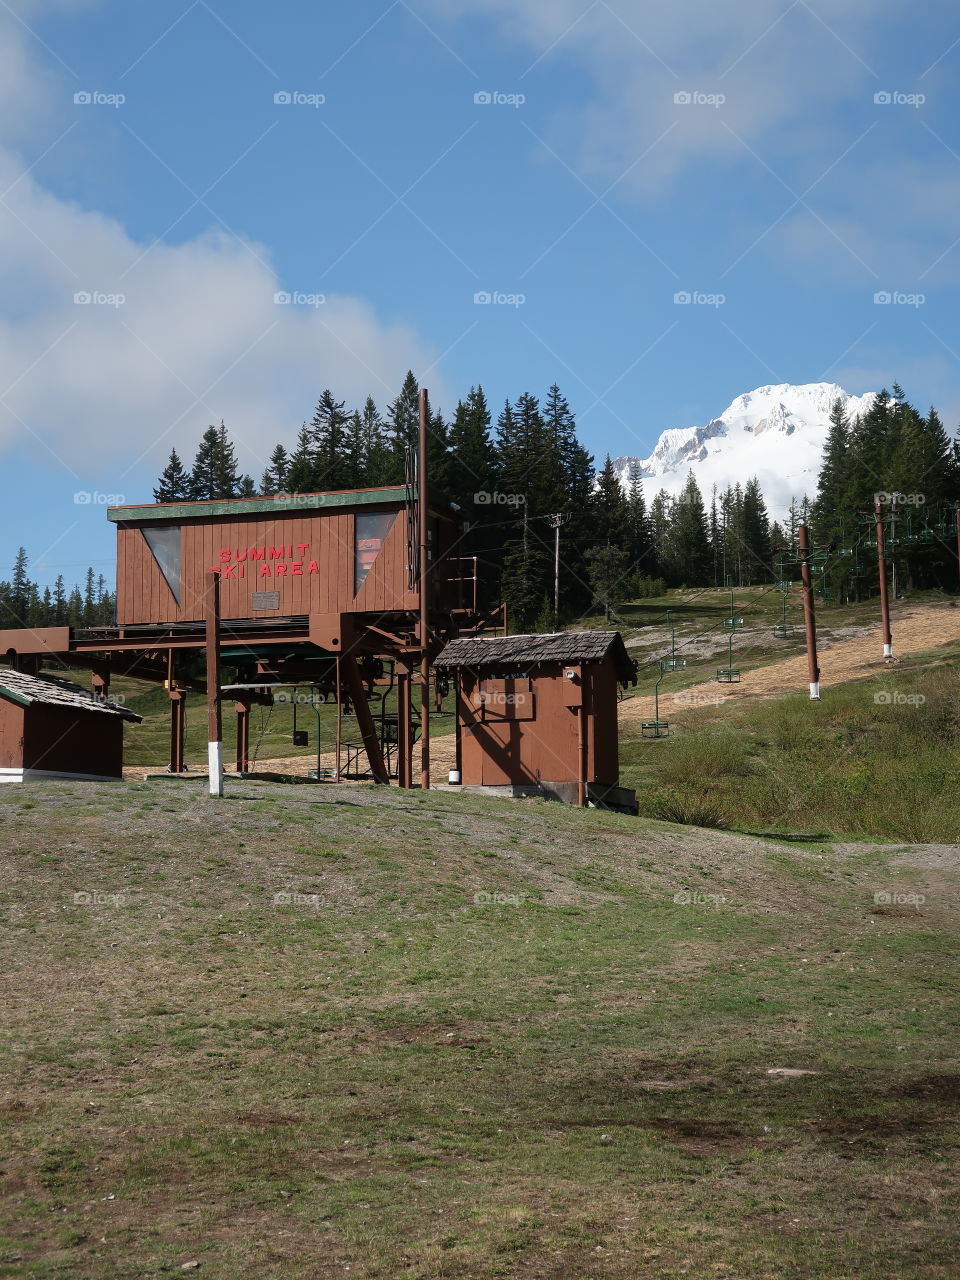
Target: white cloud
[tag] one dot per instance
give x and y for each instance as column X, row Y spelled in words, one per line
column 775, row 66
column 198, row 337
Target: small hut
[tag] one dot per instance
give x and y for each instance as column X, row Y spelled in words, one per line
column 537, row 714
column 52, row 728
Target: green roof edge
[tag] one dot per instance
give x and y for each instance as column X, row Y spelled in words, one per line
column 249, row 506
column 19, row 698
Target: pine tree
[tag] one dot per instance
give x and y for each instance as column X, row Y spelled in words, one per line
column 227, row 480
column 756, row 534
column 612, row 512
column 572, row 466
column 330, row 449
column 174, row 482
column 689, row 559
column 20, row 589
column 206, row 473
column 275, row 475
column 89, row 600
column 834, row 480
column 301, row 472
column 471, row 457
column 608, row 570
column 660, row 517
column 638, row 532
column 403, row 420
column 59, row 602
column 75, row 608
column 380, row 460
column 356, row 452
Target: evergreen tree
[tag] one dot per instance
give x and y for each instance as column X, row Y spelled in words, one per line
column 380, row 460
column 332, row 463
column 608, row 570
column 403, row 421
column 275, row 475
column 611, row 509
column 471, row 457
column 89, row 600
column 59, row 602
column 20, row 589
column 227, row 478
column 638, row 532
column 689, row 559
column 174, row 482
column 660, row 516
column 756, row 534
column 356, row 452
column 834, row 481
column 214, row 472
column 302, row 469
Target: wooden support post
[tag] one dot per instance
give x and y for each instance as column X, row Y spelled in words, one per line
column 214, row 721
column 405, row 730
column 809, row 615
column 423, row 508
column 884, row 595
column 177, row 729
column 242, row 706
column 368, row 730
column 339, row 714
column 458, row 723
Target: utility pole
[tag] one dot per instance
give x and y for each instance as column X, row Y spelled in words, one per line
column 809, row 614
column 884, row 597
column 214, row 719
column 893, row 558
column 423, row 507
column 557, row 520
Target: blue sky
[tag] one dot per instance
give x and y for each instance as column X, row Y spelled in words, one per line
column 783, row 196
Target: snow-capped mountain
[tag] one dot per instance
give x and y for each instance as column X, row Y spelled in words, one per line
column 774, row 433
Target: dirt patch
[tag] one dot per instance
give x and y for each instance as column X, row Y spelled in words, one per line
column 702, row 1137
column 842, row 658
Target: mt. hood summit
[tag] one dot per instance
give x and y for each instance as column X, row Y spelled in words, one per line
column 775, row 433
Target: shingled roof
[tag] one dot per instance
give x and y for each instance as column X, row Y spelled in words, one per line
column 527, row 651
column 26, row 690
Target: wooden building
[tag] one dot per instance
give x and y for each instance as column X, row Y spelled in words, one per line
column 52, row 728
column 537, row 714
column 308, row 554
column 345, row 590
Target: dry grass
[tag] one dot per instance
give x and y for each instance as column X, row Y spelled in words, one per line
column 388, row 1075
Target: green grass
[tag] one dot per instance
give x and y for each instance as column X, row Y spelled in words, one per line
column 848, row 764
column 389, row 1075
column 271, row 728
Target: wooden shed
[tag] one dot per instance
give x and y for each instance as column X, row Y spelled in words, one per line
column 53, row 728
column 537, row 714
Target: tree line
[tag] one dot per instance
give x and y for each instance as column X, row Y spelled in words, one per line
column 907, row 461
column 24, row 604
column 516, row 478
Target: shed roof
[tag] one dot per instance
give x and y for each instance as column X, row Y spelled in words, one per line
column 50, row 691
column 529, row 651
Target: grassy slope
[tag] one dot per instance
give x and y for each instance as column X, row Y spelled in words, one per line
column 848, row 764
column 399, row 1080
column 271, row 729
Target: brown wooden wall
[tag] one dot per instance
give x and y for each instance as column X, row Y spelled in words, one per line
column 144, row 597
column 11, row 734
column 536, row 737
column 60, row 739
